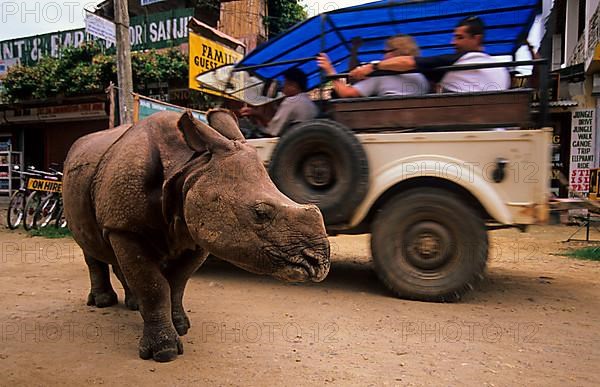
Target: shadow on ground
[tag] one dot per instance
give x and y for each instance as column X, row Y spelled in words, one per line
column 504, row 284
column 343, row 275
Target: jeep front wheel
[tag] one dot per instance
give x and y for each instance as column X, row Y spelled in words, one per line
column 428, row 245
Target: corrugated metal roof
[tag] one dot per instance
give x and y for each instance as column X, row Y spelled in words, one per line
column 566, row 103
column 562, row 103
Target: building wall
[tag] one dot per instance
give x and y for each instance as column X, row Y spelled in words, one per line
column 47, row 143
column 243, row 19
column 571, row 35
column 591, row 7
column 59, row 137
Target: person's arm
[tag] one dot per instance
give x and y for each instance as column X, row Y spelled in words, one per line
column 257, row 115
column 406, row 63
column 342, row 89
column 397, row 63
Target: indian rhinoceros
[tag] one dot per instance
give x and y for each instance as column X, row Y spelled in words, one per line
column 155, row 198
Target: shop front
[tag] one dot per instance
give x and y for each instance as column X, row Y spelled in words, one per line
column 45, row 133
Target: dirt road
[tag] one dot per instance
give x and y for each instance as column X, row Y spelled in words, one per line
column 534, row 321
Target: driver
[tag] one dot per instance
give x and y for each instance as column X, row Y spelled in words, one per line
column 296, row 107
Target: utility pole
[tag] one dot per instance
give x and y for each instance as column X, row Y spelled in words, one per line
column 124, row 76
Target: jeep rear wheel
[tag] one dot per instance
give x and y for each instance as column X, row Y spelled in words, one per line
column 321, row 162
column 428, row 245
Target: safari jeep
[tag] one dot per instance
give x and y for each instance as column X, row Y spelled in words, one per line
column 426, row 176
column 427, row 196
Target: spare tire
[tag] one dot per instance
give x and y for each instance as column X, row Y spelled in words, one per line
column 321, row 162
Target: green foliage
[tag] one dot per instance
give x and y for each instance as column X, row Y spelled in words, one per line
column 591, row 253
column 51, row 232
column 87, row 70
column 283, row 14
column 153, row 66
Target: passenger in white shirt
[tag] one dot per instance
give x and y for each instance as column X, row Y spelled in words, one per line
column 398, row 84
column 468, row 42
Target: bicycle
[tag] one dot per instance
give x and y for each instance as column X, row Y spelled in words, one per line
column 51, row 205
column 16, row 206
column 42, row 190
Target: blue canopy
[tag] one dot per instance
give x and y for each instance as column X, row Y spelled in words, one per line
column 430, row 22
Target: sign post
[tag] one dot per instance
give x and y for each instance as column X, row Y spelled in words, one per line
column 583, row 144
column 100, row 27
column 206, row 55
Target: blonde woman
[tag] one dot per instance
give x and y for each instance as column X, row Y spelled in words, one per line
column 399, row 84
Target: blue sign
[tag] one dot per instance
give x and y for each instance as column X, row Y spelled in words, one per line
column 148, row 2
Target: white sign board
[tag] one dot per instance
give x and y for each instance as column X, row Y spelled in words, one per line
column 583, row 144
column 6, row 64
column 148, row 2
column 100, row 27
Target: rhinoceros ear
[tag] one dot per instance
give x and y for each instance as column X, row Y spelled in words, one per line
column 226, row 123
column 201, row 137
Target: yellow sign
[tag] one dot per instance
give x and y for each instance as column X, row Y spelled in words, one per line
column 44, row 185
column 206, row 55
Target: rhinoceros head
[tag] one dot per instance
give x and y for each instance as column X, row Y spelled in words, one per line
column 232, row 208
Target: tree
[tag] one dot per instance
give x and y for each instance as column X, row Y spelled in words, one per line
column 283, row 14
column 87, row 70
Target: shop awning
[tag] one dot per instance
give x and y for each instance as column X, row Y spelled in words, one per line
column 430, row 22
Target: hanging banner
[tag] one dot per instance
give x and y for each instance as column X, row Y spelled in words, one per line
column 160, row 30
column 144, row 107
column 100, row 27
column 583, row 145
column 206, row 55
column 154, row 31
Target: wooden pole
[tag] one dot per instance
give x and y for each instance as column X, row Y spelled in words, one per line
column 124, row 76
column 111, row 108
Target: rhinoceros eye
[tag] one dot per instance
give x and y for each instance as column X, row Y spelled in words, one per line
column 264, row 212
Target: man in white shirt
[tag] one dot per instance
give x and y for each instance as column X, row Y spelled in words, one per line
column 296, row 107
column 468, row 42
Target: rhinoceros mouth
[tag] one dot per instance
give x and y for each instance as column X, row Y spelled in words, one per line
column 308, row 264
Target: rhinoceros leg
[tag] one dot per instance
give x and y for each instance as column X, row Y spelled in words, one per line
column 178, row 272
column 142, row 272
column 101, row 294
column 130, row 300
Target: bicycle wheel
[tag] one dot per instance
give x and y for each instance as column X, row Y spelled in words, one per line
column 31, row 205
column 14, row 215
column 46, row 211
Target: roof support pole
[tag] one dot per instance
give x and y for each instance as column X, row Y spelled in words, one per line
column 323, row 48
column 546, row 53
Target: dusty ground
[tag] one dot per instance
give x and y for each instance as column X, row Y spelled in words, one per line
column 534, row 321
